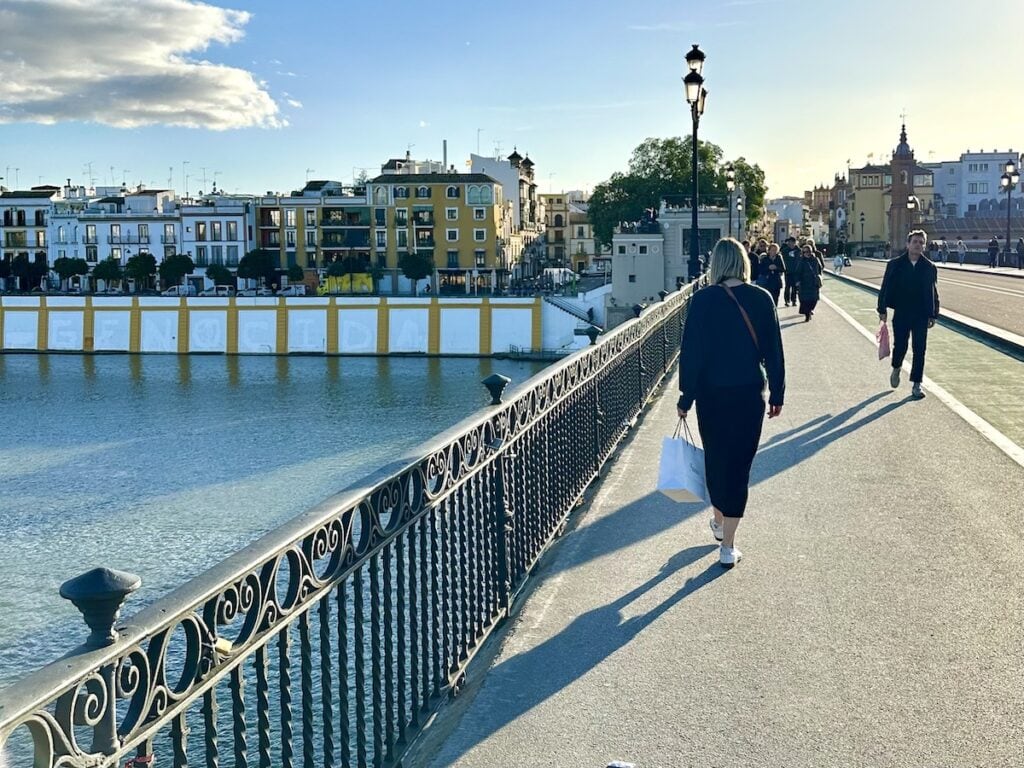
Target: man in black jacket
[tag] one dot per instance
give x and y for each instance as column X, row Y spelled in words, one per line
column 910, row 289
column 791, row 258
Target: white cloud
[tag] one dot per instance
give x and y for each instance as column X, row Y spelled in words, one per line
column 294, row 103
column 424, row 124
column 126, row 65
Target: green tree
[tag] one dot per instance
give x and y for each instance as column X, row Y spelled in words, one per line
column 140, row 268
column 296, row 274
column 109, row 271
column 67, row 268
column 28, row 271
column 219, row 274
column 662, row 168
column 416, row 266
column 174, row 268
column 259, row 265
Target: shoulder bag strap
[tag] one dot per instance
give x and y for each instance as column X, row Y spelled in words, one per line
column 746, row 317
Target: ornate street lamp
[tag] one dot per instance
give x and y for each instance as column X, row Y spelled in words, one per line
column 696, row 95
column 730, row 185
column 862, row 233
column 1008, row 181
column 739, row 216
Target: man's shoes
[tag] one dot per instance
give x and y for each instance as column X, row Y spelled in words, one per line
column 916, row 392
column 894, row 378
column 716, row 530
column 729, row 556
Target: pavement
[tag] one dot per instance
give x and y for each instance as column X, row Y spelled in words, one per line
column 875, row 620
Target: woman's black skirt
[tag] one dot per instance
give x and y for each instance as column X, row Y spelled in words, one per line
column 730, row 420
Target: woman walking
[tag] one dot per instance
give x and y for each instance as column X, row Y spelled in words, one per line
column 808, row 282
column 770, row 271
column 731, row 340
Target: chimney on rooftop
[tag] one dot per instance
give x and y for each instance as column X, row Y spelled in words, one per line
column 444, row 152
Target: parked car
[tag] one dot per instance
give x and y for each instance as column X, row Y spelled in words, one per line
column 111, row 292
column 218, row 290
column 298, row 289
column 256, row 292
column 179, row 290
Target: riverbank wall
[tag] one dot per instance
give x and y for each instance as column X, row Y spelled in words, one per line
column 335, row 325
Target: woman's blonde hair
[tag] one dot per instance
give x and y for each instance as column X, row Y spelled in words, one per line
column 729, row 259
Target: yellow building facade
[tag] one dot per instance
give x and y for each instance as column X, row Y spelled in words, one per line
column 454, row 219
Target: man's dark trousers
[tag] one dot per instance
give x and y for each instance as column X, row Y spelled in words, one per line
column 904, row 327
column 790, row 295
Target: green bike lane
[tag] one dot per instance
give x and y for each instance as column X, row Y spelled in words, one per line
column 986, row 381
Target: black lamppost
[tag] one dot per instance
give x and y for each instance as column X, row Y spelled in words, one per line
column 1008, row 181
column 730, row 185
column 695, row 96
column 861, row 233
column 739, row 217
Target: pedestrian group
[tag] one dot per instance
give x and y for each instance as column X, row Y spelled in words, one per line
column 732, row 351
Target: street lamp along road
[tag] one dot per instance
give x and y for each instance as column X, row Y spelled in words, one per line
column 696, row 94
column 730, row 185
column 739, row 217
column 1008, row 181
column 862, row 233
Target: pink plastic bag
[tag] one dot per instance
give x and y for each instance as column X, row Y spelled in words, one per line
column 883, row 341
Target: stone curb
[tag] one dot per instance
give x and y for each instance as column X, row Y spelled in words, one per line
column 1004, row 341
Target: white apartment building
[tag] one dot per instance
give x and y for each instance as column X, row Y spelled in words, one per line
column 970, row 185
column 117, row 227
column 218, row 231
column 516, row 176
column 24, row 222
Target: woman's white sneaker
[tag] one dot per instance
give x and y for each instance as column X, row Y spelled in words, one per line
column 716, row 529
column 729, row 556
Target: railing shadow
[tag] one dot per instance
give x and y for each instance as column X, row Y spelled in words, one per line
column 654, row 513
column 590, row 639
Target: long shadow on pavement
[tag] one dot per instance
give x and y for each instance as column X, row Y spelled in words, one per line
column 595, row 635
column 530, row 678
column 655, row 513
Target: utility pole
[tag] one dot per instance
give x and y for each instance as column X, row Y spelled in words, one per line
column 185, row 176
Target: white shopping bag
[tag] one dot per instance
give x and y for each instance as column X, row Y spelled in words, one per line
column 681, row 470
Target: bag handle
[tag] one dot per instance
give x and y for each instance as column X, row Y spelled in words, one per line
column 746, row 317
column 683, row 431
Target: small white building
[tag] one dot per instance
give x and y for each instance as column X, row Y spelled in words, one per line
column 217, row 231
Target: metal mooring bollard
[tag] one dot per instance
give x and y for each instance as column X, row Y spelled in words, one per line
column 496, row 384
column 99, row 595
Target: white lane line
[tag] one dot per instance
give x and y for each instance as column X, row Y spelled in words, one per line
column 989, row 432
column 1004, row 291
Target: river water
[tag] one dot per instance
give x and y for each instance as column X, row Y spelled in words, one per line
column 164, row 465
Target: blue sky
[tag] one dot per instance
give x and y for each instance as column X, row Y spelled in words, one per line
column 798, row 86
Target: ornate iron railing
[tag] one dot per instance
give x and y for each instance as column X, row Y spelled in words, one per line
column 350, row 623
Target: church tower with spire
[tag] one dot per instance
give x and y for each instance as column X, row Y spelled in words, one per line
column 901, row 219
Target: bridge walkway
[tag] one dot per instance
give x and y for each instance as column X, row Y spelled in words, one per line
column 875, row 620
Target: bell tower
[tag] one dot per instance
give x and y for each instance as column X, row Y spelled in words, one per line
column 901, row 218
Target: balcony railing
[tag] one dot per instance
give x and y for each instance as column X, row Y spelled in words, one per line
column 89, row 239
column 348, row 625
column 423, row 220
column 128, row 239
column 168, row 239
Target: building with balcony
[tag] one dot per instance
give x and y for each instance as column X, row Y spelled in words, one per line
column 556, row 228
column 454, row 219
column 218, row 231
column 117, row 227
column 24, row 222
